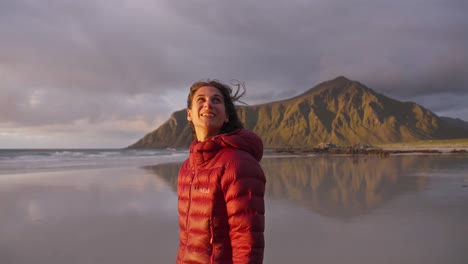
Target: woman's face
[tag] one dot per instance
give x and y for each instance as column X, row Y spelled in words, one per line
column 208, row 112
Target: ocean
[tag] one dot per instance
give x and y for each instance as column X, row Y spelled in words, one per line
column 36, row 160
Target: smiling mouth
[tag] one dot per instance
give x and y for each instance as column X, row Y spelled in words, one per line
column 207, row 115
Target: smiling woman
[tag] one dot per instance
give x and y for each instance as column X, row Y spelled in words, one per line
column 221, row 185
column 207, row 112
column 218, row 91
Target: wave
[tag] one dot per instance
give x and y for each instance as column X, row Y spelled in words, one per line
column 31, row 160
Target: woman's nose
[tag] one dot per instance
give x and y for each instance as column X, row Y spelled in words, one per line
column 208, row 103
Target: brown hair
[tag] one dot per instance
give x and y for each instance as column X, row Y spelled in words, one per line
column 229, row 99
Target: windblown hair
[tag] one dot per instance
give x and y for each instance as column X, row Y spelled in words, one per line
column 229, row 96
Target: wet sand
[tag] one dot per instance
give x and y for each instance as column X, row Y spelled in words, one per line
column 123, row 215
column 322, row 209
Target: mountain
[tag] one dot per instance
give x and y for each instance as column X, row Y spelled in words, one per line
column 456, row 123
column 339, row 111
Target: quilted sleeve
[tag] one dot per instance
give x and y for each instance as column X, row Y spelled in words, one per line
column 243, row 185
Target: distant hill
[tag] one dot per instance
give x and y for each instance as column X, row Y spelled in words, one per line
column 339, row 111
column 456, row 123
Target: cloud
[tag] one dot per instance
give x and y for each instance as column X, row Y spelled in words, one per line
column 66, row 61
column 408, row 46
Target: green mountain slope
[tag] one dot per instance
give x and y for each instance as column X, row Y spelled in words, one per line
column 339, row 111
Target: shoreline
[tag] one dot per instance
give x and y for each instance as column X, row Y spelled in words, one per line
column 37, row 166
column 371, row 150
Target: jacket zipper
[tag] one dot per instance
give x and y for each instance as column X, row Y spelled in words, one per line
column 188, row 212
column 211, row 241
column 190, row 200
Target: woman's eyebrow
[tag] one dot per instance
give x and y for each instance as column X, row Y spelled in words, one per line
column 203, row 95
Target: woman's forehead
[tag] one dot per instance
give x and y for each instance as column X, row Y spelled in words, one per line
column 208, row 91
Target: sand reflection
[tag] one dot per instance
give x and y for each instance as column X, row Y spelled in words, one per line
column 341, row 187
column 87, row 216
column 402, row 209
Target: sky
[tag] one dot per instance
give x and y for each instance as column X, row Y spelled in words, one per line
column 103, row 73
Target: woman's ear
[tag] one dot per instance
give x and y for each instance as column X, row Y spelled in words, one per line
column 189, row 115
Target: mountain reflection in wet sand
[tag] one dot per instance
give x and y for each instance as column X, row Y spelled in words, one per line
column 399, row 209
column 340, row 187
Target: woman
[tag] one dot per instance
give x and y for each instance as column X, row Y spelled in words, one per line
column 221, row 185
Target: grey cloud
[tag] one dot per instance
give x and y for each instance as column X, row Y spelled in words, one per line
column 94, row 49
column 49, row 106
column 380, row 42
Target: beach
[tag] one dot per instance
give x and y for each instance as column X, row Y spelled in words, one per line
column 320, row 209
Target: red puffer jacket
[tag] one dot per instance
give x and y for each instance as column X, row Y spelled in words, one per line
column 221, row 206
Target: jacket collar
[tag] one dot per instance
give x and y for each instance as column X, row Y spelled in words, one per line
column 242, row 139
column 203, row 151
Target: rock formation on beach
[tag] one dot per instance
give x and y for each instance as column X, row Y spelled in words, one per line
column 341, row 111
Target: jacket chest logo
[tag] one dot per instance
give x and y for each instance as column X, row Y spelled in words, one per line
column 202, row 189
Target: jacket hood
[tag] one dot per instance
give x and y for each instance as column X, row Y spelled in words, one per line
column 239, row 139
